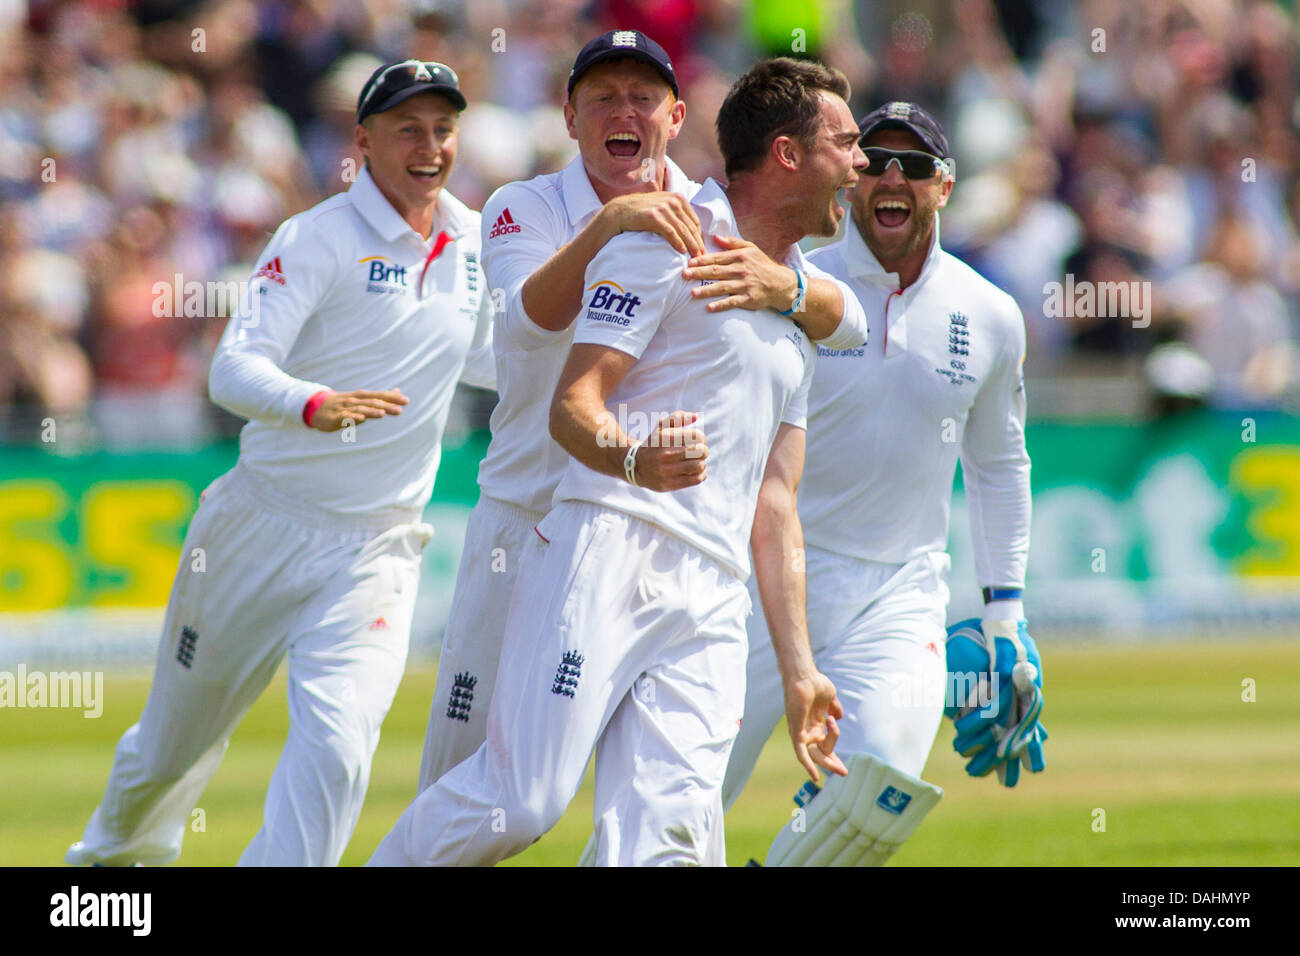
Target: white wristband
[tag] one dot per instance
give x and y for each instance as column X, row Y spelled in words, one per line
column 629, row 462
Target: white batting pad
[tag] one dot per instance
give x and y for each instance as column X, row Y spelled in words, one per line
column 858, row 820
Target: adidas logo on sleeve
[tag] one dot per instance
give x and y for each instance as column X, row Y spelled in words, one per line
column 504, row 225
column 272, row 270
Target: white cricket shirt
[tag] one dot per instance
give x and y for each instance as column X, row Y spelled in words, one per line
column 524, row 224
column 744, row 372
column 941, row 378
column 343, row 300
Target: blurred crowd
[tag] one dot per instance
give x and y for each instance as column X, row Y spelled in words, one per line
column 1150, row 143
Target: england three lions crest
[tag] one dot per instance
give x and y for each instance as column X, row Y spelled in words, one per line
column 958, row 349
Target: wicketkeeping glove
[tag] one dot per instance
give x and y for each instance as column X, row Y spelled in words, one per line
column 995, row 679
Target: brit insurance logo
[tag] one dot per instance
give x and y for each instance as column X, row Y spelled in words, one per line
column 824, row 352
column 958, row 349
column 384, row 276
column 611, row 303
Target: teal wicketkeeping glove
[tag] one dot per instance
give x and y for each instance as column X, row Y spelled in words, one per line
column 995, row 681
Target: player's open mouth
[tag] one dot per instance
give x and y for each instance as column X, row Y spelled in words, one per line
column 623, row 145
column 427, row 173
column 892, row 213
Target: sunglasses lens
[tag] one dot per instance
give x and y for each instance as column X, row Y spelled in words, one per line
column 915, row 165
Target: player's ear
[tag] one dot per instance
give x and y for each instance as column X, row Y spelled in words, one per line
column 361, row 136
column 677, row 115
column 786, row 152
column 571, row 119
column 945, row 190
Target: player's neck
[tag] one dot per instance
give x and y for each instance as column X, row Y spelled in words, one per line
column 605, row 191
column 423, row 219
column 770, row 226
column 909, row 266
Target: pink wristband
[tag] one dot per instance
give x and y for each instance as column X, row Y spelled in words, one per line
column 314, row 403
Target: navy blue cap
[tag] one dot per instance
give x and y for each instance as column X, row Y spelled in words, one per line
column 910, row 117
column 395, row 82
column 618, row 43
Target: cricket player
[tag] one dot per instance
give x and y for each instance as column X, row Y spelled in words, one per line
column 539, row 237
column 626, row 627
column 361, row 319
column 940, row 379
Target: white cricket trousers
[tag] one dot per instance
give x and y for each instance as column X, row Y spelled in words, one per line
column 878, row 632
column 621, row 637
column 495, row 539
column 261, row 577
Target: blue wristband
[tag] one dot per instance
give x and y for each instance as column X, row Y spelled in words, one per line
column 1003, row 594
column 799, row 294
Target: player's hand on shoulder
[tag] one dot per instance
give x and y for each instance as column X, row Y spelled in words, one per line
column 675, row 454
column 339, row 409
column 667, row 214
column 811, row 709
column 741, row 276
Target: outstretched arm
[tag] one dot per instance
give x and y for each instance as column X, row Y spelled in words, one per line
column 776, row 543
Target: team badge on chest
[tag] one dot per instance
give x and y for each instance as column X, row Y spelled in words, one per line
column 958, row 349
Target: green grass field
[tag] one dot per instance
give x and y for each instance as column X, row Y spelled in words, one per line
column 1158, row 737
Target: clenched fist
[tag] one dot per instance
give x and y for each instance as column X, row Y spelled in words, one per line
column 674, row 455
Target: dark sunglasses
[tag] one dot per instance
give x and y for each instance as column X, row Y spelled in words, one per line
column 400, row 75
column 913, row 163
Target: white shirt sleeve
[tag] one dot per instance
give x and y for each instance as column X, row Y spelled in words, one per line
column 513, row 256
column 796, row 410
column 852, row 330
column 246, row 377
column 480, row 364
column 630, row 286
column 995, row 464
